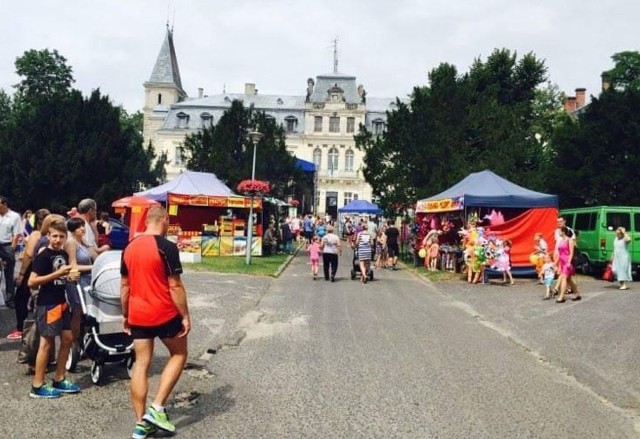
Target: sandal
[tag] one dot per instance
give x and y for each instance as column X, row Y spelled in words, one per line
column 561, row 300
column 576, row 298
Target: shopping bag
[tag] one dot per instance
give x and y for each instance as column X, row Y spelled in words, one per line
column 30, row 342
column 608, row 273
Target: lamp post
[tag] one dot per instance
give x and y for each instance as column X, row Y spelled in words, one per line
column 255, row 137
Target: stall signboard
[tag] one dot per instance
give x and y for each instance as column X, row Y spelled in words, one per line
column 212, row 201
column 444, row 205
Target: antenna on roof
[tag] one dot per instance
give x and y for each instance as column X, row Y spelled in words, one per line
column 335, row 55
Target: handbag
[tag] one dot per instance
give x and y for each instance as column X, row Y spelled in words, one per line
column 30, row 342
column 608, row 273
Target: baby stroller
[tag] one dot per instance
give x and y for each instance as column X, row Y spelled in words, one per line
column 101, row 304
column 355, row 269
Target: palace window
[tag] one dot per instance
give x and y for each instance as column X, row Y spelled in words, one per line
column 334, row 124
column 348, row 197
column 183, row 120
column 351, row 124
column 317, row 158
column 348, row 160
column 207, row 120
column 291, row 124
column 378, row 126
column 159, row 98
column 177, row 156
column 317, row 124
column 333, row 160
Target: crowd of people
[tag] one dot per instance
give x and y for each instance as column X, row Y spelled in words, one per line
column 57, row 255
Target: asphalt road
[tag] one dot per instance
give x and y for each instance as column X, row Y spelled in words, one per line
column 396, row 358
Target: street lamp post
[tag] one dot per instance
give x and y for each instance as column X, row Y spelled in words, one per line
column 255, row 137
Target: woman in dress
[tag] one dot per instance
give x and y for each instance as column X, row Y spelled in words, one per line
column 621, row 261
column 566, row 249
column 363, row 243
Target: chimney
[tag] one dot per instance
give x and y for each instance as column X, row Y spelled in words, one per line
column 200, row 92
column 580, row 97
column 250, row 88
column 606, row 81
column 570, row 104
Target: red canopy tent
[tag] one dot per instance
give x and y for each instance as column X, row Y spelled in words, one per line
column 137, row 208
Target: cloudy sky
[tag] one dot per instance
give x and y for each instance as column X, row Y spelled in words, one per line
column 390, row 45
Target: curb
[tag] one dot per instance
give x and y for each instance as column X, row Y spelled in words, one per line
column 287, row 261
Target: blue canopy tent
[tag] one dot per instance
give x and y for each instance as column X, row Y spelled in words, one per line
column 486, row 189
column 305, row 166
column 360, row 206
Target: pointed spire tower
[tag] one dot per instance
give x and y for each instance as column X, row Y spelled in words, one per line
column 164, row 87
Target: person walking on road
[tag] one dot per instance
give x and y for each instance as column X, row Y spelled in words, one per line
column 364, row 243
column 331, row 249
column 154, row 304
column 566, row 249
column 10, row 231
column 393, row 247
column 621, row 260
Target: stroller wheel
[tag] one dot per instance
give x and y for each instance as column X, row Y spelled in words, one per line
column 73, row 358
column 353, row 274
column 96, row 373
column 370, row 274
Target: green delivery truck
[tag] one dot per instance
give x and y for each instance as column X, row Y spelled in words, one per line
column 595, row 228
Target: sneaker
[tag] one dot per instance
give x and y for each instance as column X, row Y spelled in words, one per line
column 159, row 419
column 66, row 386
column 142, row 430
column 44, row 391
column 15, row 335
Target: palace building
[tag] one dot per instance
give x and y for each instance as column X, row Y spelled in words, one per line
column 320, row 124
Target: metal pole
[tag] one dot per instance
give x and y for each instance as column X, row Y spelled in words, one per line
column 255, row 138
column 250, row 225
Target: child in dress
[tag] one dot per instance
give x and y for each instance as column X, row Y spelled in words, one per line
column 506, row 261
column 549, row 273
column 434, row 249
column 314, row 256
column 540, row 250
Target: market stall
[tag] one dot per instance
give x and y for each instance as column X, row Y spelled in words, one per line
column 356, row 209
column 133, row 210
column 206, row 217
column 501, row 208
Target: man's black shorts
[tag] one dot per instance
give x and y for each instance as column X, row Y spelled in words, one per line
column 393, row 249
column 166, row 330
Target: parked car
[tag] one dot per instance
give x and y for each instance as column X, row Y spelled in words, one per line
column 119, row 235
column 595, row 230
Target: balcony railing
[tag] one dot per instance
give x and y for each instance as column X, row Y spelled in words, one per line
column 327, row 173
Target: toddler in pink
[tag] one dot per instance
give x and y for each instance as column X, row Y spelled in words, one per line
column 314, row 256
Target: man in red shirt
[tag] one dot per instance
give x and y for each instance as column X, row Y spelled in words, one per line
column 154, row 304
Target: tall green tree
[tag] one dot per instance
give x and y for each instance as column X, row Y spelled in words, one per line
column 59, row 147
column 626, row 71
column 226, row 150
column 597, row 156
column 458, row 124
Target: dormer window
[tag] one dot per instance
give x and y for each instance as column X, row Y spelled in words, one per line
column 291, row 123
column 207, row 120
column 336, row 94
column 183, row 120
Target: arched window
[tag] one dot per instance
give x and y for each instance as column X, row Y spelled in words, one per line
column 378, row 126
column 333, row 159
column 348, row 160
column 317, row 158
column 183, row 120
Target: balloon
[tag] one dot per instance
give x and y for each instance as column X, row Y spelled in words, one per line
column 422, row 253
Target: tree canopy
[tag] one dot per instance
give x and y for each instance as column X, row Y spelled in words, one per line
column 459, row 124
column 626, row 72
column 58, row 147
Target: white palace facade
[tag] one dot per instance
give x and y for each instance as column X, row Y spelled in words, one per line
column 320, row 125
